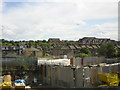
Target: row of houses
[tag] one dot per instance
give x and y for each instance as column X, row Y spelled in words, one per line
column 92, row 43
column 57, row 50
column 94, row 40
column 85, row 40
column 17, row 51
column 70, row 50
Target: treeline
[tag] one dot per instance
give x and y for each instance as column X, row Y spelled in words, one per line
column 21, row 42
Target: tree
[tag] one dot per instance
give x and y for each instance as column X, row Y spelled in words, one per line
column 111, row 51
column 118, row 54
column 44, row 41
column 108, row 50
column 82, row 55
column 85, row 50
column 103, row 50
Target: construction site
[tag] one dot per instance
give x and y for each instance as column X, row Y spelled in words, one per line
column 78, row 72
column 88, row 72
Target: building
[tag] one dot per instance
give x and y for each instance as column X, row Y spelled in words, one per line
column 94, row 40
column 61, row 50
column 54, row 40
column 32, row 52
column 11, row 51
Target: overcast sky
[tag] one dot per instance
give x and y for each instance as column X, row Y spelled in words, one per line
column 64, row 19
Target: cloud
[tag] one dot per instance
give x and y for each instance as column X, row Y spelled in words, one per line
column 8, row 32
column 60, row 0
column 109, row 30
column 1, row 19
column 106, row 27
column 81, row 23
column 54, row 19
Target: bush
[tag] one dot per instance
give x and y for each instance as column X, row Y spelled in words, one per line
column 82, row 55
column 85, row 50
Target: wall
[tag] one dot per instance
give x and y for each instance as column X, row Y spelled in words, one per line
column 68, row 76
column 88, row 61
column 39, row 54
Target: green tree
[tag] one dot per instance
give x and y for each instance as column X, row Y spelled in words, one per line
column 85, row 50
column 82, row 55
column 111, row 51
column 103, row 50
column 118, row 54
column 44, row 41
column 108, row 50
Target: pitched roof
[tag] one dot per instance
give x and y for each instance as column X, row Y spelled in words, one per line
column 89, row 46
column 82, row 46
column 72, row 47
column 118, row 46
column 95, row 46
column 65, row 47
column 31, row 49
column 78, row 47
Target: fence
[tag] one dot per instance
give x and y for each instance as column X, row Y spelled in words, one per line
column 110, row 61
column 0, row 62
column 67, row 76
column 16, row 63
column 87, row 61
